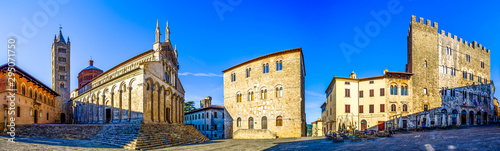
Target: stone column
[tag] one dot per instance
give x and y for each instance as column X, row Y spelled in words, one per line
column 129, row 103
column 151, row 102
column 159, row 104
column 428, row 121
column 92, row 110
column 120, row 110
column 442, row 119
column 174, row 109
column 459, row 119
column 103, row 107
column 165, row 106
column 112, row 107
column 97, row 109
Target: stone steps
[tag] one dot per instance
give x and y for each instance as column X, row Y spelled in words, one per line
column 149, row 136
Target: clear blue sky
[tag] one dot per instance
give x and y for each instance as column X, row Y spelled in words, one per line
column 209, row 42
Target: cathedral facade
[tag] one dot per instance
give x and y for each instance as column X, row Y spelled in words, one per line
column 142, row 89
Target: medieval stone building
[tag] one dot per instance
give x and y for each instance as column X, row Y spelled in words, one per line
column 438, row 65
column 60, row 53
column 468, row 105
column 35, row 103
column 264, row 96
column 439, row 60
column 143, row 89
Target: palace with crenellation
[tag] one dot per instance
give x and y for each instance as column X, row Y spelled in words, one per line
column 446, row 83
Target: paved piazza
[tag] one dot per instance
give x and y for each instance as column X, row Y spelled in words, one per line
column 475, row 138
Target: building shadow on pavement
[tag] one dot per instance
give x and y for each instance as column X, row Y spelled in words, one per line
column 61, row 142
column 302, row 145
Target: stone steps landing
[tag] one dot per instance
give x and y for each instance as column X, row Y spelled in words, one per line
column 148, row 136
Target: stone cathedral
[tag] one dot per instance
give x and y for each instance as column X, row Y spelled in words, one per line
column 142, row 89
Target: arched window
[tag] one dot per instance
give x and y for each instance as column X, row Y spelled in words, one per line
column 394, row 89
column 18, row 111
column 281, row 65
column 15, row 85
column 30, row 93
column 238, row 122
column 277, row 92
column 249, row 96
column 405, row 108
column 61, row 85
column 404, row 89
column 36, row 95
column 393, row 108
column 264, row 123
column 23, row 90
column 250, row 123
column 248, row 72
column 425, row 63
column 279, row 121
column 263, row 94
column 238, row 97
column 281, row 92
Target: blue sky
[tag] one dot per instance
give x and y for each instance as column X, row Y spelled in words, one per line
column 213, row 35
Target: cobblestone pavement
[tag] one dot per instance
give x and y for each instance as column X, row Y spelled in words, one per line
column 474, row 138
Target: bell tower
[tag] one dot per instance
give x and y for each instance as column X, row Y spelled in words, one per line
column 61, row 72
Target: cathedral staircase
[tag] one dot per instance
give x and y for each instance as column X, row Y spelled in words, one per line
column 150, row 136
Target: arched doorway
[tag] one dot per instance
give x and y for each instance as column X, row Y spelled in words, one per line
column 471, row 118
column 363, row 125
column 443, row 120
column 108, row 115
column 478, row 118
column 36, row 116
column 250, row 123
column 485, row 118
column 454, row 115
column 264, row 123
column 463, row 120
column 63, row 118
column 167, row 115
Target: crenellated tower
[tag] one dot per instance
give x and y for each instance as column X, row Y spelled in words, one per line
column 61, row 72
column 441, row 61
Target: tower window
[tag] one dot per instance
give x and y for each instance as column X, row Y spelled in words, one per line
column 467, row 58
column 61, row 77
column 61, row 85
column 425, row 63
column 62, row 69
column 61, row 59
column 482, row 64
column 62, row 50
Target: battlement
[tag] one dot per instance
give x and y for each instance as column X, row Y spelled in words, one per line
column 474, row 44
column 421, row 21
